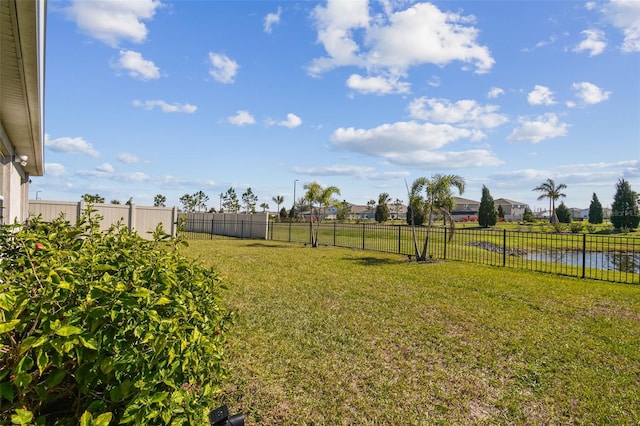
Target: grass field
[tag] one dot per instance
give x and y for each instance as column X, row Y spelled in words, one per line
column 331, row 336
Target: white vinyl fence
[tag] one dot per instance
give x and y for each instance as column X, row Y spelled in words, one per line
column 142, row 219
column 229, row 224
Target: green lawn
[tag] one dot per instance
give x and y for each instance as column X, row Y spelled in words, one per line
column 338, row 336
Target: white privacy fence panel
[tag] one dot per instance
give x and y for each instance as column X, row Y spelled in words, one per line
column 141, row 219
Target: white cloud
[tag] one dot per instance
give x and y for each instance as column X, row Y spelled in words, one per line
column 540, row 95
column 291, row 122
column 377, row 85
column 594, row 42
column 360, row 172
column 272, row 19
column 590, row 5
column 165, row 107
column 407, row 136
column 589, row 93
column 112, row 21
column 465, row 113
column 494, row 92
column 413, row 144
column 137, row 66
column 241, row 118
column 625, row 15
column 54, row 170
column 335, row 23
column 547, row 126
column 446, row 160
column 223, row 68
column 128, row 158
column 420, row 34
column 105, row 168
column 70, row 146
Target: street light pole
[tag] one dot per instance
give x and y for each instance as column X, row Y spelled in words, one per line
column 294, row 198
column 37, row 192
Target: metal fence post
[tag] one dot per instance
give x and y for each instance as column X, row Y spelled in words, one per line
column 504, row 247
column 334, row 234
column 399, row 239
column 363, row 235
column 584, row 254
column 444, row 250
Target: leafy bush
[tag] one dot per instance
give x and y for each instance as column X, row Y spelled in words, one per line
column 102, row 328
column 576, row 227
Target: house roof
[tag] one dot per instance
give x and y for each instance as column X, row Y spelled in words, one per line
column 22, row 81
column 460, row 200
column 510, row 202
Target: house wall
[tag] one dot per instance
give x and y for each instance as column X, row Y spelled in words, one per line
column 13, row 192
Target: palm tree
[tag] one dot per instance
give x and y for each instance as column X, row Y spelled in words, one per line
column 438, row 197
column 322, row 196
column 264, row 207
column 326, row 198
column 552, row 192
column 278, row 199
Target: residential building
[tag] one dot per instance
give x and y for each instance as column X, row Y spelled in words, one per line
column 513, row 210
column 22, row 48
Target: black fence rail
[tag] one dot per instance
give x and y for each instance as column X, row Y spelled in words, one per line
column 614, row 258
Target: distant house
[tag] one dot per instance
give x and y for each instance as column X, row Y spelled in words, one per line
column 464, row 208
column 606, row 213
column 576, row 213
column 513, row 210
column 363, row 212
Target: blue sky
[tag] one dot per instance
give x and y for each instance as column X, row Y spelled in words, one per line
column 173, row 97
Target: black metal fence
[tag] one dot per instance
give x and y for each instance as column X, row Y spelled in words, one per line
column 614, row 258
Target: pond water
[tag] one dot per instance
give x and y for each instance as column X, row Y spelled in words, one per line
column 624, row 262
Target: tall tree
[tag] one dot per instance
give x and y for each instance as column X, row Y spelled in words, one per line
column 397, row 203
column 500, row 211
column 200, row 199
column 549, row 190
column 278, row 199
column 159, row 200
column 382, row 209
column 230, row 201
column 563, row 213
column 371, row 204
column 624, row 210
column 188, row 203
column 250, row 200
column 95, row 199
column 344, row 209
column 487, row 213
column 596, row 214
column 264, row 207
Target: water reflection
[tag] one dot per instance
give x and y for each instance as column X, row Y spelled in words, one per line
column 619, row 261
column 624, row 262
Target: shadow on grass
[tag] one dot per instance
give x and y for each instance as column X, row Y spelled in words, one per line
column 266, row 245
column 372, row 261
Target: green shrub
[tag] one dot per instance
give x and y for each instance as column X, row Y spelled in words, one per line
column 102, row 328
column 576, row 227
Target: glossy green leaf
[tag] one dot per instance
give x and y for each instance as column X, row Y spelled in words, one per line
column 21, row 417
column 68, row 330
column 6, row 327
